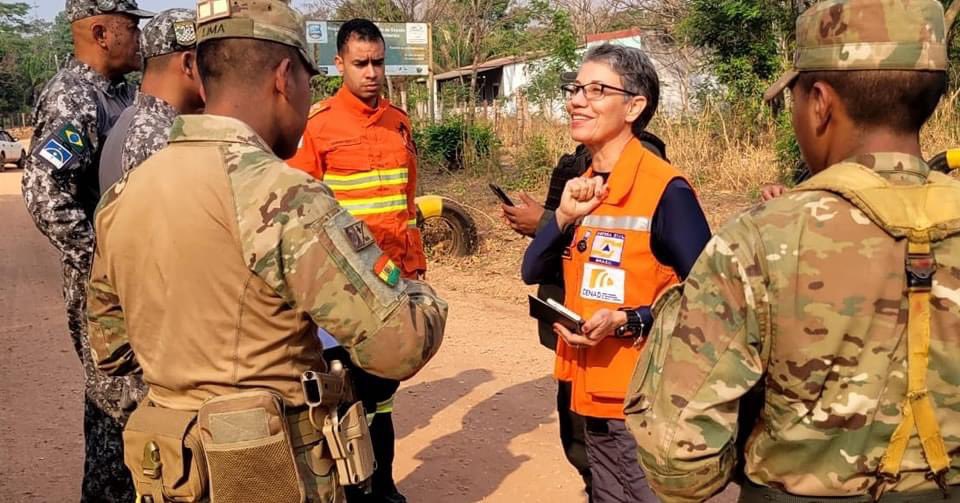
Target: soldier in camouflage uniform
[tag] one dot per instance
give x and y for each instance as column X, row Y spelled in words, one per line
column 247, row 256
column 73, row 114
column 170, row 87
column 813, row 299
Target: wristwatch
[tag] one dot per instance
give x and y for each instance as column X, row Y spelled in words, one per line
column 633, row 327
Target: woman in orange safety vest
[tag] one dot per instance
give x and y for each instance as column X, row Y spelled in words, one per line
column 627, row 229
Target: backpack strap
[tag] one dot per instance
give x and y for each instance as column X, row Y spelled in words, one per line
column 922, row 213
column 918, row 409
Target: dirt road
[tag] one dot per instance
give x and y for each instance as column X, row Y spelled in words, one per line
column 478, row 424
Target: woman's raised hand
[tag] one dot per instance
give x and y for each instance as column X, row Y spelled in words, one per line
column 580, row 197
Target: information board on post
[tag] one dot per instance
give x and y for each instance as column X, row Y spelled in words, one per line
column 408, row 46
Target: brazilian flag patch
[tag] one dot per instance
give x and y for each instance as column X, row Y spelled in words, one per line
column 387, row 271
column 72, row 138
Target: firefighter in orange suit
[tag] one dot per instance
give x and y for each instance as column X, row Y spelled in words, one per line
column 362, row 147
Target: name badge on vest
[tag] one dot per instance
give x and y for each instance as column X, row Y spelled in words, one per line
column 603, row 284
column 607, row 248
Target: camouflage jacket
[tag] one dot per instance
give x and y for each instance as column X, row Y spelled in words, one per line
column 802, row 296
column 73, row 114
column 246, row 256
column 148, row 131
column 141, row 130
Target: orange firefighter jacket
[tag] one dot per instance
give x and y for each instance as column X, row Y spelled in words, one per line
column 610, row 264
column 368, row 158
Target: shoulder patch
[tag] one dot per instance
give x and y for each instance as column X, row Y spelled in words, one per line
column 55, row 153
column 387, row 271
column 72, row 138
column 318, row 107
column 359, row 235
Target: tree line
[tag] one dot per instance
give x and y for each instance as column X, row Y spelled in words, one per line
column 31, row 52
column 742, row 43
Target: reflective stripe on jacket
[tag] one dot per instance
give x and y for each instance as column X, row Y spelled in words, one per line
column 368, row 158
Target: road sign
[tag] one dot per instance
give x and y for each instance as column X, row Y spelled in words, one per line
column 408, row 46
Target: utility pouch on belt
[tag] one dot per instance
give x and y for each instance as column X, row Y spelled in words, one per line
column 248, row 449
column 349, row 441
column 161, row 448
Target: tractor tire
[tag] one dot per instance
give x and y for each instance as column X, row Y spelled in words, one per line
column 22, row 160
column 946, row 162
column 446, row 227
column 3, row 162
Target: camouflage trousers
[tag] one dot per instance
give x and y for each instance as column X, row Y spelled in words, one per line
column 108, row 402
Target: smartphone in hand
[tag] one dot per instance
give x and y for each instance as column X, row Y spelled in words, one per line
column 501, row 195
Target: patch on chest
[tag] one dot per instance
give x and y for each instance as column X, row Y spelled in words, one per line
column 359, row 235
column 607, row 248
column 603, row 284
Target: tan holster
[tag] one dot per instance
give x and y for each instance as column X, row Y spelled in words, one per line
column 162, row 450
column 248, row 448
column 347, row 436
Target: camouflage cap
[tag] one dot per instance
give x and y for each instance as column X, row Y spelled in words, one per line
column 270, row 20
column 172, row 30
column 80, row 9
column 867, row 35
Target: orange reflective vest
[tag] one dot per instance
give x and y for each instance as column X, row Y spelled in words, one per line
column 610, row 265
column 368, row 158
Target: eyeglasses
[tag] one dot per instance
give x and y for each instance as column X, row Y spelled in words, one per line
column 593, row 91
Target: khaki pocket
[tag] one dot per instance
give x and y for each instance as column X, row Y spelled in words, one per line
column 248, row 449
column 161, row 448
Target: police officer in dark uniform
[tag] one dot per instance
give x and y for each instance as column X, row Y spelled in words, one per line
column 72, row 117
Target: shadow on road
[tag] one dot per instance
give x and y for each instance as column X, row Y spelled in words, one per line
column 438, row 395
column 469, row 465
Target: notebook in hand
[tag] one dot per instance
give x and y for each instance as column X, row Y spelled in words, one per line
column 554, row 312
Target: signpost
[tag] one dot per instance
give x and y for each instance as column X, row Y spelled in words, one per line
column 409, row 50
column 408, row 47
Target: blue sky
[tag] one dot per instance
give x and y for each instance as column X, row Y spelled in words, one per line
column 48, row 9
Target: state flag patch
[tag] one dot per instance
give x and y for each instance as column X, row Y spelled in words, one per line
column 56, row 154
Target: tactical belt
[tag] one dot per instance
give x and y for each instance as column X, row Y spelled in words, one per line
column 752, row 493
column 302, row 432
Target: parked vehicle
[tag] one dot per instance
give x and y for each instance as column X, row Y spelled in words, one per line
column 11, row 151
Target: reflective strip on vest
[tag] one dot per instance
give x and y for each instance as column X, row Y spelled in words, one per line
column 640, row 224
column 366, row 179
column 412, row 222
column 386, row 406
column 375, row 205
